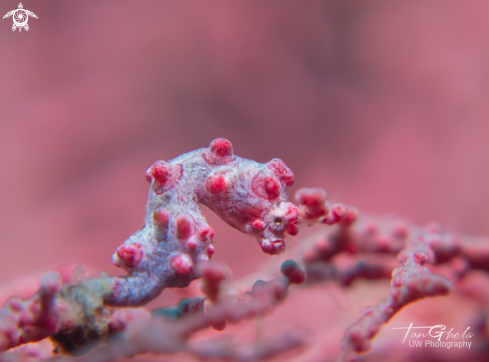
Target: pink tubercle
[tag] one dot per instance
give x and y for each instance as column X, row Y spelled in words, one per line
column 130, row 254
column 312, row 197
column 292, row 229
column 181, row 264
column 329, row 219
column 420, row 257
column 265, row 186
column 273, row 247
column 293, row 272
column 205, row 233
column 184, row 227
column 258, row 224
column 160, row 171
column 351, row 215
column 221, row 147
column 219, row 152
column 280, row 169
column 292, row 213
column 216, row 184
column 292, row 217
column 161, row 217
column 191, row 244
column 339, row 210
column 163, row 175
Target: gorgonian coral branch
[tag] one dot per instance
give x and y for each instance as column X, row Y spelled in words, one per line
column 171, row 333
column 247, row 195
column 410, row 281
column 371, row 236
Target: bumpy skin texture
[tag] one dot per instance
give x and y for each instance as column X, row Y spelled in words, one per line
column 247, row 195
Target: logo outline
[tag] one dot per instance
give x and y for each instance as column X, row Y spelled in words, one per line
column 20, row 16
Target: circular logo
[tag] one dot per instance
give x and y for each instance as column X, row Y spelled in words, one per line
column 20, row 17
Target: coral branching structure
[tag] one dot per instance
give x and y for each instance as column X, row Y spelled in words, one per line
column 104, row 318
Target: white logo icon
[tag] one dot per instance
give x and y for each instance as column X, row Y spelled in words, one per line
column 20, row 17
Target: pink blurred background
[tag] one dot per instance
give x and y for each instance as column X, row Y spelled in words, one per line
column 384, row 104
